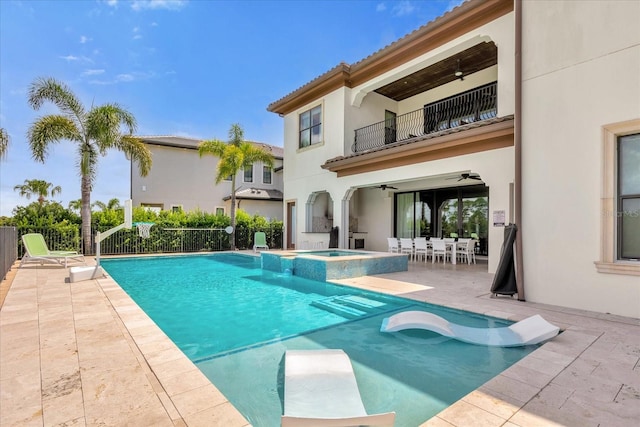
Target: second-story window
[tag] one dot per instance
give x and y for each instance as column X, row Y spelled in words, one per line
column 266, row 175
column 248, row 174
column 311, row 127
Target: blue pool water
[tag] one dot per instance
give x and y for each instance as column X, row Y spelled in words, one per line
column 235, row 321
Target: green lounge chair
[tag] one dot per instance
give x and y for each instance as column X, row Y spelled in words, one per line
column 36, row 250
column 260, row 241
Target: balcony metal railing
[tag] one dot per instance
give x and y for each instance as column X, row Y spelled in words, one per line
column 471, row 106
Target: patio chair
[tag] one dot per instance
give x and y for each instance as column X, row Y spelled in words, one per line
column 406, row 247
column 421, row 248
column 260, row 241
column 439, row 250
column 394, row 247
column 320, row 389
column 467, row 250
column 36, row 250
column 530, row 331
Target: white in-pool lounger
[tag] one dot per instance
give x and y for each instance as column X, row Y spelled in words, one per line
column 320, row 389
column 532, row 330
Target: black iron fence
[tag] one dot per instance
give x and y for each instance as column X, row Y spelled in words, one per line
column 160, row 240
column 8, row 249
column 468, row 107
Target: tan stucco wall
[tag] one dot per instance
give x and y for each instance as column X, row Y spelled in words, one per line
column 581, row 66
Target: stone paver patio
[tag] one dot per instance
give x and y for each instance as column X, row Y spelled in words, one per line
column 85, row 354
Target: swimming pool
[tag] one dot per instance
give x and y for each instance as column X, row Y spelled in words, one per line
column 235, row 321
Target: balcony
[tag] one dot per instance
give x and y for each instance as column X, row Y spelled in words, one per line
column 471, row 106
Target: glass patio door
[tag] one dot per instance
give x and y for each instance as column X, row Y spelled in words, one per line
column 413, row 216
column 463, row 211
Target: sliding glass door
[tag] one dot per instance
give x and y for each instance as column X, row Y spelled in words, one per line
column 413, row 216
column 458, row 211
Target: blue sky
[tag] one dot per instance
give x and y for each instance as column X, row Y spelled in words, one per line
column 187, row 68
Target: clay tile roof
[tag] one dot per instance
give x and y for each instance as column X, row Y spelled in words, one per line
column 192, row 143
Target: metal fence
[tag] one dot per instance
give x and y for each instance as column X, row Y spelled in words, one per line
column 160, row 240
column 8, row 249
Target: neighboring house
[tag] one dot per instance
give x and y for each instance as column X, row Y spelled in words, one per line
column 446, row 131
column 182, row 180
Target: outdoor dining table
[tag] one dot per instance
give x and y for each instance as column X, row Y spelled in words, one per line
column 452, row 245
column 455, row 247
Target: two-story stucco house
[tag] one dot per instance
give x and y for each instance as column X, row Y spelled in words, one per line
column 497, row 112
column 181, row 179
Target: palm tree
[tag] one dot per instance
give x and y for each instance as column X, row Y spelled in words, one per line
column 94, row 131
column 42, row 189
column 4, row 143
column 111, row 205
column 235, row 155
column 75, row 205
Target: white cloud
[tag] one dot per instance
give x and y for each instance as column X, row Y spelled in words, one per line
column 137, row 37
column 112, row 3
column 125, row 78
column 84, row 39
column 73, row 58
column 138, row 5
column 381, row 7
column 92, row 72
column 403, row 8
column 154, row 24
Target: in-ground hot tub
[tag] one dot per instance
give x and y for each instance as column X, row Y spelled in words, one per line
column 333, row 264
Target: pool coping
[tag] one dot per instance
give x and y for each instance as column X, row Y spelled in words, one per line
column 189, row 398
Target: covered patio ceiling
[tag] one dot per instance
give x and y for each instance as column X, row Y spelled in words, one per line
column 447, row 180
column 473, row 59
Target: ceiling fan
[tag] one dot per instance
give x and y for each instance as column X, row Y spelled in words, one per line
column 464, row 176
column 458, row 73
column 385, row 186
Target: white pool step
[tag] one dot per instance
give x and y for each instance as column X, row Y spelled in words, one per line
column 360, row 303
column 339, row 309
column 349, row 306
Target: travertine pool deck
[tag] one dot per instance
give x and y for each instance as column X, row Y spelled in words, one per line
column 74, row 354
